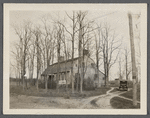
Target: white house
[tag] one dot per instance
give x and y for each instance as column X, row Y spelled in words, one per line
column 88, row 70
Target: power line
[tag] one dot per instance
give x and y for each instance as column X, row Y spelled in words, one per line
column 104, row 15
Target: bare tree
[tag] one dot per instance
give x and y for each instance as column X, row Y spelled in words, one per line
column 98, row 48
column 48, row 45
column 85, row 26
column 81, row 16
column 127, row 66
column 37, row 34
column 24, row 33
column 110, row 49
column 17, row 63
column 59, row 35
column 73, row 19
column 77, row 18
column 31, row 60
column 66, row 53
column 120, row 69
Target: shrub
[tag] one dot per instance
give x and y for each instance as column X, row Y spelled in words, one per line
column 41, row 85
column 66, row 96
column 52, row 85
column 88, row 84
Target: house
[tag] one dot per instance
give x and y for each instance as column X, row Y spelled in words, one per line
column 88, row 69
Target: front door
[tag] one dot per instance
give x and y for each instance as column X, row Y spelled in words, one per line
column 51, row 82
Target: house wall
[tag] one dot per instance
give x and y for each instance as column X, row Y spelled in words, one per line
column 89, row 71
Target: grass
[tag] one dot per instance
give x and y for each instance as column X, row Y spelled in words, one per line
column 114, row 90
column 32, row 91
column 120, row 103
column 96, row 92
column 129, row 94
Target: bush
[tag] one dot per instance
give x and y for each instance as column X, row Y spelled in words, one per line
column 88, row 84
column 49, row 85
column 41, row 85
column 70, row 85
column 66, row 96
column 52, row 85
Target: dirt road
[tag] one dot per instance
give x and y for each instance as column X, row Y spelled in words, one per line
column 100, row 102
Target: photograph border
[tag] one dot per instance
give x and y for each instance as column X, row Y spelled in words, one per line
column 6, row 110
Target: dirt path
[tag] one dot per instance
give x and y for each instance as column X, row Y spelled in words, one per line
column 86, row 102
column 102, row 101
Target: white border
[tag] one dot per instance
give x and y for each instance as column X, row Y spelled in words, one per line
column 46, row 7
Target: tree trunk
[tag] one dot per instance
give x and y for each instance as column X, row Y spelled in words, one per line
column 23, row 83
column 58, row 67
column 66, row 75
column 19, row 79
column 72, row 77
column 46, row 80
column 37, row 83
column 66, row 81
column 97, row 65
column 26, row 82
column 78, row 76
column 80, row 49
column 24, row 71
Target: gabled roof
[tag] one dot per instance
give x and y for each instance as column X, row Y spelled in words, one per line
column 69, row 60
column 53, row 68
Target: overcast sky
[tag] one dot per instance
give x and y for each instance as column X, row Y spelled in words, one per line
column 117, row 19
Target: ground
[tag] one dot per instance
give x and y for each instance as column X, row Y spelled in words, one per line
column 129, row 94
column 124, row 101
column 34, row 102
column 121, row 103
column 31, row 98
column 103, row 98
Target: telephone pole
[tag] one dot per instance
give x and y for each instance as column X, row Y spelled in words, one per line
column 37, row 46
column 134, row 78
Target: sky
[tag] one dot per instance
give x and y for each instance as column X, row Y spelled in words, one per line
column 117, row 19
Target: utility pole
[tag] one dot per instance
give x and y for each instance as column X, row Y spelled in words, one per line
column 80, row 50
column 126, row 59
column 134, row 78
